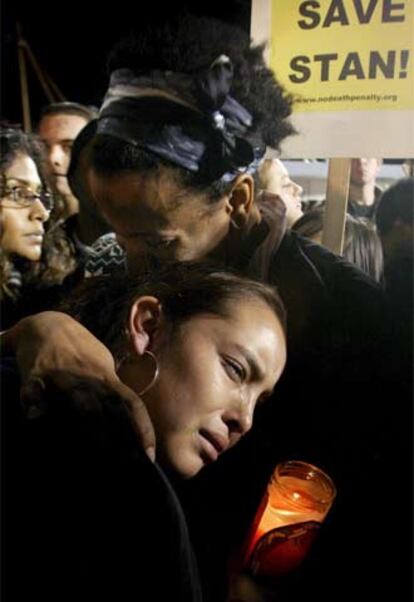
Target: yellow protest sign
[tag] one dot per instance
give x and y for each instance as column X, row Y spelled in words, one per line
column 337, row 55
column 350, row 66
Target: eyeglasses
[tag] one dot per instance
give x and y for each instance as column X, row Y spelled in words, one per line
column 24, row 197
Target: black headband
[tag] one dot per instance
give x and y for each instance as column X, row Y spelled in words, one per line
column 190, row 120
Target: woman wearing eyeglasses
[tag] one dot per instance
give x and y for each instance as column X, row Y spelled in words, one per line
column 31, row 260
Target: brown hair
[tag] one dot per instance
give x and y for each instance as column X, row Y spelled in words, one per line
column 185, row 290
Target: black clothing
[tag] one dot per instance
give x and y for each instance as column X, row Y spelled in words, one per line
column 339, row 405
column 85, row 514
column 331, row 408
column 31, row 299
column 365, row 211
column 399, row 289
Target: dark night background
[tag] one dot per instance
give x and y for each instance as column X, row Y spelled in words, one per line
column 71, row 40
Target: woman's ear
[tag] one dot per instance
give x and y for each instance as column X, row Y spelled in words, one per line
column 241, row 199
column 144, row 320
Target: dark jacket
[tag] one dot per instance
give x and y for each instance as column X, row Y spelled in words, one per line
column 365, row 211
column 339, row 405
column 85, row 514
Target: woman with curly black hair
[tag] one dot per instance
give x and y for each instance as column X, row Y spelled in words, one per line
column 32, row 258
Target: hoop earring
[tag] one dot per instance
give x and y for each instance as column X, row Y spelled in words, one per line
column 233, row 223
column 156, row 373
column 122, row 360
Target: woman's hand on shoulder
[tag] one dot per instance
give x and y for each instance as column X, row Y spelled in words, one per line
column 54, row 351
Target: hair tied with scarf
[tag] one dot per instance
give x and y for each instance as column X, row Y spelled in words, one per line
column 189, row 119
column 228, row 118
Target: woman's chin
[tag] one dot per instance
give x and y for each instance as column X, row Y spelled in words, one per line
column 33, row 255
column 184, row 468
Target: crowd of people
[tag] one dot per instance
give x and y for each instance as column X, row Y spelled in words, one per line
column 166, row 298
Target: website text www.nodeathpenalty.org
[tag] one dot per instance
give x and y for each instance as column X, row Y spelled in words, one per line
column 348, row 98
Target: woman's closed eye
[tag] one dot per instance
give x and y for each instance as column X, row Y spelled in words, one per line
column 234, row 369
column 150, row 242
column 159, row 243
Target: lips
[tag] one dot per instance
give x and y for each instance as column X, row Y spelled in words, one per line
column 217, row 442
column 35, row 236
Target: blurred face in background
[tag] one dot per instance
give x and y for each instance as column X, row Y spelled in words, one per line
column 274, row 178
column 22, row 210
column 58, row 133
column 364, row 170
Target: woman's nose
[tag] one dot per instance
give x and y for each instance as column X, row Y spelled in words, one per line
column 39, row 211
column 239, row 419
column 246, row 419
column 57, row 156
column 298, row 189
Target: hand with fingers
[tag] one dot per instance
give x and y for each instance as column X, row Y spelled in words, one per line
column 54, row 351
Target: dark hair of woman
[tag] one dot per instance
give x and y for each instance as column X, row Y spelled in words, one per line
column 396, row 204
column 57, row 260
column 362, row 245
column 184, row 290
column 187, row 47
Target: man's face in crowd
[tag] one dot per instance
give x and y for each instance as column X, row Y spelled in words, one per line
column 58, row 133
column 364, row 170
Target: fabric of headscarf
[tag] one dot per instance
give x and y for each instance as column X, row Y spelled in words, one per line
column 190, row 120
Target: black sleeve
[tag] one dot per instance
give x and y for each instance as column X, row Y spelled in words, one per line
column 342, row 404
column 87, row 515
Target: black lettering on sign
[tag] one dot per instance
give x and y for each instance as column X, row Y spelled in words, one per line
column 298, row 63
column 391, row 12
column 305, row 11
column 325, row 60
column 405, row 54
column 376, row 62
column 365, row 16
column 388, row 8
column 352, row 66
column 373, row 65
column 336, row 14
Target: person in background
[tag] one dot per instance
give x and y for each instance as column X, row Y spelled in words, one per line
column 58, row 126
column 394, row 217
column 362, row 245
column 364, row 193
column 88, row 225
column 201, row 347
column 394, row 220
column 32, row 259
column 408, row 167
column 272, row 176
